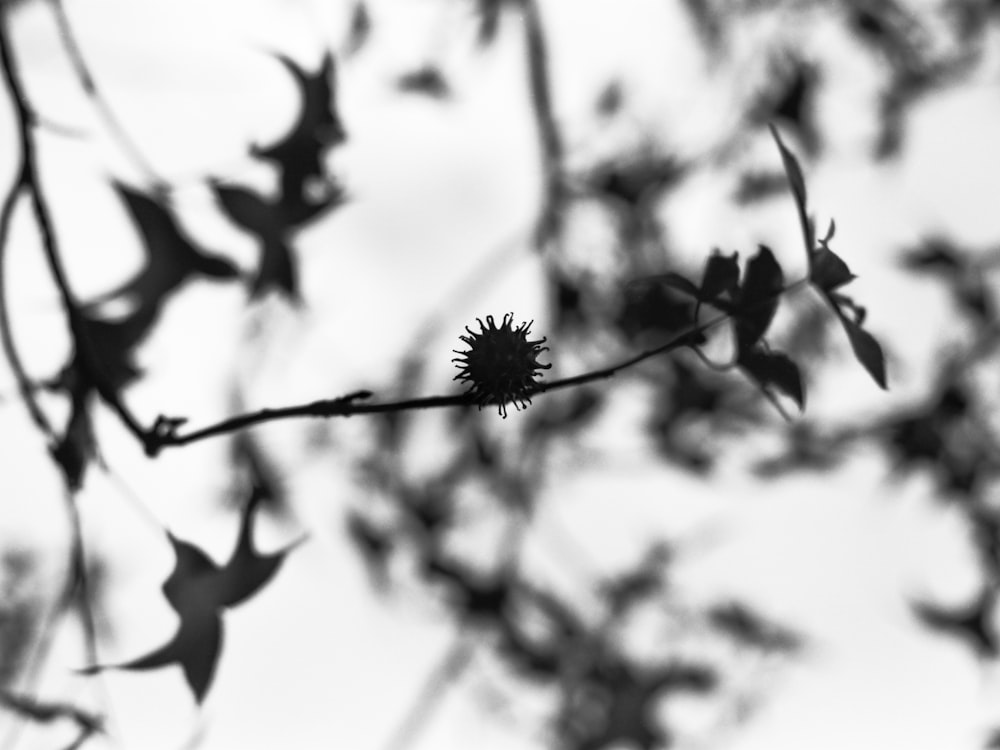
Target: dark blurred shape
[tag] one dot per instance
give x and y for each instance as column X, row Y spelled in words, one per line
column 359, row 30
column 747, row 627
column 789, row 101
column 636, row 180
column 489, row 14
column 655, row 311
column 756, row 186
column 972, row 624
column 428, row 80
column 172, row 257
column 962, row 274
column 612, row 703
column 707, row 20
column 692, row 407
column 942, row 434
column 610, row 100
column 805, row 450
column 374, row 543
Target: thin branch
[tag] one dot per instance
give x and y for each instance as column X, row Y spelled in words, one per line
column 89, row 86
column 165, row 432
column 29, row 180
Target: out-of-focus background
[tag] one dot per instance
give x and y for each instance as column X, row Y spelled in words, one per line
column 655, row 560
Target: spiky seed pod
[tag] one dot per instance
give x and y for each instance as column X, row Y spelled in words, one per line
column 500, row 365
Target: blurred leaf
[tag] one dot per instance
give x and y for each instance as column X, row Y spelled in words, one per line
column 774, row 369
column 172, row 258
column 427, row 80
column 198, row 590
column 299, row 156
column 973, row 623
column 758, row 298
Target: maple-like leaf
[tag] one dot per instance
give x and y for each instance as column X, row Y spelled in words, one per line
column 299, row 155
column 198, row 590
column 172, row 257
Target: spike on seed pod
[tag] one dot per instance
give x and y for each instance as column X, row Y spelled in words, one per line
column 501, row 365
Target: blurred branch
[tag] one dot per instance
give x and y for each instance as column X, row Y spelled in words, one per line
column 89, row 86
column 46, row 712
column 549, row 219
column 29, row 181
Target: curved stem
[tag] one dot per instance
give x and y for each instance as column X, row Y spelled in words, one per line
column 89, row 86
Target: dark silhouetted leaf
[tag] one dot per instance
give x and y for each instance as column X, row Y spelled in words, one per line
column 792, row 170
column 866, row 350
column 171, row 256
column 247, row 571
column 266, row 220
column 299, row 155
column 797, row 183
column 774, row 369
column 721, row 276
column 972, row 623
column 198, row 590
column 427, row 80
column 827, row 271
column 758, row 298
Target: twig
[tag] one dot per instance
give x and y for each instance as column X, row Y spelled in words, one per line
column 28, row 180
column 164, row 433
column 455, row 661
column 89, row 86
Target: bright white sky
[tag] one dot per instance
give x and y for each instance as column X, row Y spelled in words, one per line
column 437, row 227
